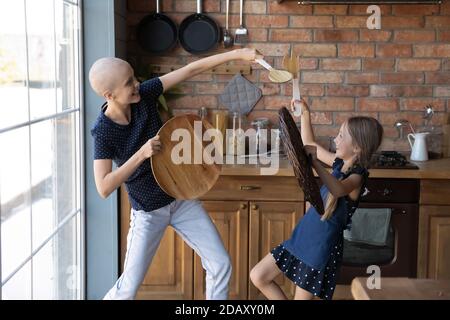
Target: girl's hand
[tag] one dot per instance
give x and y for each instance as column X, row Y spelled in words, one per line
column 311, row 151
column 151, row 147
column 303, row 105
column 249, row 54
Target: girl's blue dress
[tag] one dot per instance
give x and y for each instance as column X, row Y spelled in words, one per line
column 312, row 256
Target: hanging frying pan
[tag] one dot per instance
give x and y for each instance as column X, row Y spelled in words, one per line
column 156, row 33
column 199, row 33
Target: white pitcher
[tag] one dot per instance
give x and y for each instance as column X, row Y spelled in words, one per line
column 419, row 150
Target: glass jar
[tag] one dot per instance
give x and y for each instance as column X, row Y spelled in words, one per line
column 236, row 140
column 220, row 123
column 275, row 148
column 262, row 135
column 203, row 113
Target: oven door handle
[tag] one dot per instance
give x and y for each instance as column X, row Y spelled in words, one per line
column 385, row 192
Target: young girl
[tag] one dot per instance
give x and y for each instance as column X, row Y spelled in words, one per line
column 311, row 258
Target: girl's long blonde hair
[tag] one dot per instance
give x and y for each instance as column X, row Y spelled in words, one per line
column 366, row 134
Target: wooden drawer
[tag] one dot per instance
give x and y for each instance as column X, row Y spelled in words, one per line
column 255, row 188
column 435, row 192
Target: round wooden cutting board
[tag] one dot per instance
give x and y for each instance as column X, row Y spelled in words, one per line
column 184, row 180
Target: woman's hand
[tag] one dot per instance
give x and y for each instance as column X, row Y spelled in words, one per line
column 249, row 54
column 151, row 147
column 311, row 151
column 303, row 105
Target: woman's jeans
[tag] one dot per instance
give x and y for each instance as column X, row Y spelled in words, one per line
column 194, row 225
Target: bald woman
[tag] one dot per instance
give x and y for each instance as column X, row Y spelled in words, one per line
column 125, row 132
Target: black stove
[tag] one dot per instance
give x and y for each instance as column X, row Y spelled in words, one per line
column 391, row 160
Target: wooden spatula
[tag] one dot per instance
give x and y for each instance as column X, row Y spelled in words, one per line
column 292, row 64
column 275, row 75
column 285, row 63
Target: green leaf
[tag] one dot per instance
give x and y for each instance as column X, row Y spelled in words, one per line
column 162, row 103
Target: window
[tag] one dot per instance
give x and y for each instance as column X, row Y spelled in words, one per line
column 41, row 234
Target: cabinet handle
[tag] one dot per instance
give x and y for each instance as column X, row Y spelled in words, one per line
column 254, row 207
column 243, row 206
column 250, row 187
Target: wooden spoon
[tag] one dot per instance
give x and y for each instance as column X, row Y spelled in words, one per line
column 275, row 75
column 285, row 63
column 291, row 64
column 294, row 65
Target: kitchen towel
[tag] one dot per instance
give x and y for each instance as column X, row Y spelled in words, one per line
column 240, row 95
column 369, row 226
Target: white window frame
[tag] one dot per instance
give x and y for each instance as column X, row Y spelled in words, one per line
column 79, row 213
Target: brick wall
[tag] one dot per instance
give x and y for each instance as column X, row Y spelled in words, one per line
column 346, row 69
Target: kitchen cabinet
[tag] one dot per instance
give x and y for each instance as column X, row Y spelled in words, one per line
column 435, row 253
column 271, row 224
column 273, row 206
column 252, row 215
column 231, row 220
column 434, row 230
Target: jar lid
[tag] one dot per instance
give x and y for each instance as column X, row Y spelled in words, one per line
column 261, row 122
column 203, row 112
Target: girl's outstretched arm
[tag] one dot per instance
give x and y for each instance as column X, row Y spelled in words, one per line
column 338, row 188
column 307, row 133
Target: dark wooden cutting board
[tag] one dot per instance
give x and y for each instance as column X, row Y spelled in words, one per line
column 292, row 140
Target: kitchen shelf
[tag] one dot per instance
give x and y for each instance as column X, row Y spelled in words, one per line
column 223, row 69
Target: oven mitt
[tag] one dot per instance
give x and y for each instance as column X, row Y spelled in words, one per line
column 240, row 95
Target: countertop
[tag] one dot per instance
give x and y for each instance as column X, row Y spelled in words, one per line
column 402, row 289
column 431, row 169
